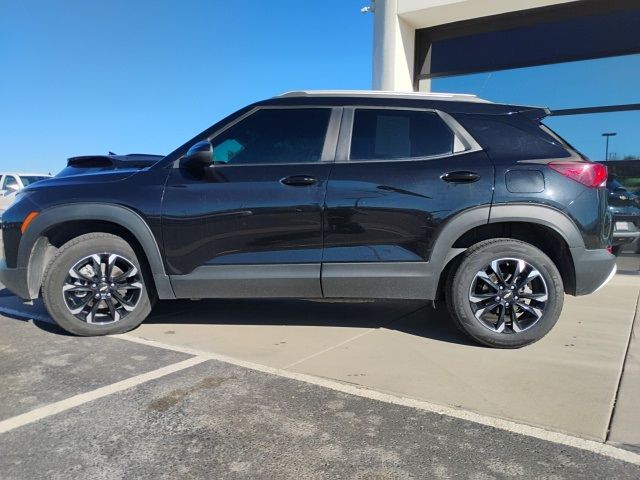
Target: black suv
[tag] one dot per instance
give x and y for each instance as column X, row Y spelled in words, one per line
column 325, row 195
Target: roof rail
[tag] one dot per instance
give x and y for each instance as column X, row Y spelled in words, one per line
column 458, row 97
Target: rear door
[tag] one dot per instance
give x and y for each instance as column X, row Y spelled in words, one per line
column 399, row 176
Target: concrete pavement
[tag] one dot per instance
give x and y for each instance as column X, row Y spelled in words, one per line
column 218, row 420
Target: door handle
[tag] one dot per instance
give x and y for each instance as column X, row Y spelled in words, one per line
column 299, row 181
column 461, row 177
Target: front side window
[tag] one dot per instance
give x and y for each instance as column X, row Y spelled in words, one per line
column 274, row 135
column 389, row 134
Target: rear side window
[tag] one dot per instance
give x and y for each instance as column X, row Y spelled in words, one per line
column 390, row 134
column 273, row 135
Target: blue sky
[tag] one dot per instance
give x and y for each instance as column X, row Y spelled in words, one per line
column 82, row 77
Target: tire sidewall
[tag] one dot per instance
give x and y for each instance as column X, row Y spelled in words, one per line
column 56, row 275
column 479, row 259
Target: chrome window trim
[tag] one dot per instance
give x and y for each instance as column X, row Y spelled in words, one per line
column 328, row 148
column 461, row 136
column 468, row 142
column 339, row 131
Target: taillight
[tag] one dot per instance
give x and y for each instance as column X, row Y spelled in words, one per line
column 592, row 175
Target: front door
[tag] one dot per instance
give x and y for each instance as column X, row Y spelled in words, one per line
column 251, row 223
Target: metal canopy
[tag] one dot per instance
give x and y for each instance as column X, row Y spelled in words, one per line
column 562, row 33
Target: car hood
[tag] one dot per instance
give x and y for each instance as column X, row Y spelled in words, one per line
column 622, row 198
column 98, row 169
column 100, row 163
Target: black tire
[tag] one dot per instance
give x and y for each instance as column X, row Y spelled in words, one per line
column 462, row 279
column 616, row 250
column 57, row 275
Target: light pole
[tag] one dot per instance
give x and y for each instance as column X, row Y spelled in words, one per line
column 607, row 135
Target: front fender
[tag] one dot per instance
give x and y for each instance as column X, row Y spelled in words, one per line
column 32, row 250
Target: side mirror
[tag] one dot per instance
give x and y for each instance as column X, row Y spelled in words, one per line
column 199, row 156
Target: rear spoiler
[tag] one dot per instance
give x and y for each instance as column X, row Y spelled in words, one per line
column 134, row 160
column 536, row 113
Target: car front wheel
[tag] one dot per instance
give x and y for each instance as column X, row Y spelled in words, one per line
column 95, row 286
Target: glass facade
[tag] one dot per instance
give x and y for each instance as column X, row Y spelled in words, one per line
column 613, row 137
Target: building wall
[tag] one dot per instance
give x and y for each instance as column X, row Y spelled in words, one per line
column 397, row 20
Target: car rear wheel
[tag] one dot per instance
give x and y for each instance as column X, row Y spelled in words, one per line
column 505, row 293
column 95, row 286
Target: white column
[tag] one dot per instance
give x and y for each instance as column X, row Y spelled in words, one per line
column 393, row 49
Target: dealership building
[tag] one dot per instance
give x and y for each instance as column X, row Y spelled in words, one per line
column 418, row 40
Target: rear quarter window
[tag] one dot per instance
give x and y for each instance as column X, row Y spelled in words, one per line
column 519, row 139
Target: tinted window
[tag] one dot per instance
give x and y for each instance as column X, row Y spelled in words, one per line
column 288, row 135
column 520, row 139
column 388, row 134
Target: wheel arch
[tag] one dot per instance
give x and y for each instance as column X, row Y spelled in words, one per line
column 57, row 225
column 544, row 227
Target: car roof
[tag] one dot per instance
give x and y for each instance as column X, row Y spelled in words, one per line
column 460, row 97
column 447, row 102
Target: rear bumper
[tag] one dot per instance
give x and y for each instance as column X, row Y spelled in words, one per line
column 593, row 269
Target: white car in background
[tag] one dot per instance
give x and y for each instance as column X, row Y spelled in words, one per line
column 12, row 182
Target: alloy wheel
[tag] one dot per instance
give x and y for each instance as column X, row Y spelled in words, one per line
column 509, row 295
column 102, row 288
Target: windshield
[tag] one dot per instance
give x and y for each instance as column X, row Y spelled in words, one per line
column 29, row 179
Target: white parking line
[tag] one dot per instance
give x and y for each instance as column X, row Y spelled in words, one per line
column 506, row 425
column 71, row 402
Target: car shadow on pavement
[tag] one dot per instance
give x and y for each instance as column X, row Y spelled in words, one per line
column 11, row 307
column 416, row 318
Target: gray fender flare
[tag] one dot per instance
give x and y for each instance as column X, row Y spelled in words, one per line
column 32, row 250
column 443, row 251
column 542, row 215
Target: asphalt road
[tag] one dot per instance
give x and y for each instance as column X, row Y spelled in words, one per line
column 217, row 420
